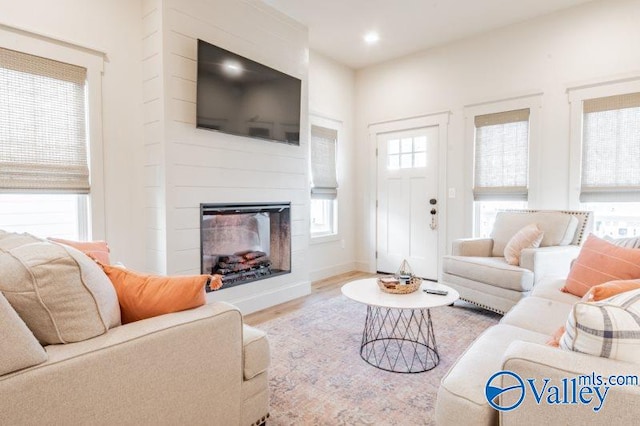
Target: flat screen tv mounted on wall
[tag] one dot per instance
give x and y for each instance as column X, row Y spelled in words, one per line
column 239, row 96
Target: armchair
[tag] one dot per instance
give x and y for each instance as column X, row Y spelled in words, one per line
column 477, row 269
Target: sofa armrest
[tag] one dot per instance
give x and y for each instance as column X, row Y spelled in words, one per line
column 552, row 261
column 477, row 247
column 179, row 368
column 539, row 362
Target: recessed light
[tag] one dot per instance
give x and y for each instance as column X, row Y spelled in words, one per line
column 371, row 37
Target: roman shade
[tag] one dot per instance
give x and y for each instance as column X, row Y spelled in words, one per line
column 611, row 149
column 324, row 182
column 501, row 166
column 42, row 125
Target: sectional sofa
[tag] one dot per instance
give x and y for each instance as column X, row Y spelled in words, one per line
column 518, row 344
column 66, row 360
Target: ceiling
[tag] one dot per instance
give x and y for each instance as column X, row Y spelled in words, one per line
column 337, row 27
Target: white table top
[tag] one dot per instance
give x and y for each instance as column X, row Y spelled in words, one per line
column 367, row 291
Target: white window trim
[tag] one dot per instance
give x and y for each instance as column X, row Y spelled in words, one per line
column 533, row 102
column 39, row 44
column 318, row 119
column 577, row 95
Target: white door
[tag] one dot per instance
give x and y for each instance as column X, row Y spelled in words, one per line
column 407, row 203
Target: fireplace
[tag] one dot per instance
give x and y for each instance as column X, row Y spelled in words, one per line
column 245, row 242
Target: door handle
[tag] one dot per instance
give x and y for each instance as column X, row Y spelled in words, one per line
column 434, row 216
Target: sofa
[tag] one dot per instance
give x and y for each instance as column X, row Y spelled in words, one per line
column 518, row 344
column 62, row 362
column 477, row 268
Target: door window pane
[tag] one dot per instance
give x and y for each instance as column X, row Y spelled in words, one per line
column 394, row 146
column 407, row 153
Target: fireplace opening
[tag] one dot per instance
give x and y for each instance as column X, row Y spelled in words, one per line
column 245, row 242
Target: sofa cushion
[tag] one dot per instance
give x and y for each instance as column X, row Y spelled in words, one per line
column 463, row 385
column 20, row 349
column 490, row 270
column 599, row 262
column 61, row 294
column 528, row 237
column 609, row 328
column 538, row 314
column 550, row 288
column 559, row 228
column 144, row 296
column 256, row 351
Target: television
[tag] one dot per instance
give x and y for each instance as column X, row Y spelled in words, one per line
column 239, row 96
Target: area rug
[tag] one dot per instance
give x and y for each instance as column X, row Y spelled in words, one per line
column 318, row 378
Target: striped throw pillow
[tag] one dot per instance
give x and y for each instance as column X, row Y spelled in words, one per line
column 633, row 242
column 609, row 328
column 599, row 262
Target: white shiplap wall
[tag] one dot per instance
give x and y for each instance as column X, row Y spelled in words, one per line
column 189, row 166
column 154, row 146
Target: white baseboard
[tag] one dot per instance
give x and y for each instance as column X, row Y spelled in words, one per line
column 323, row 273
column 268, row 298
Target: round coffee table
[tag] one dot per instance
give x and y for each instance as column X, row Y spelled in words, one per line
column 398, row 331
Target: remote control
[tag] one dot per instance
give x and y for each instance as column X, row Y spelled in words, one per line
column 434, row 291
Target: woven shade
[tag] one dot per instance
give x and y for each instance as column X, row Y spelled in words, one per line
column 501, row 169
column 43, row 143
column 324, row 182
column 611, row 149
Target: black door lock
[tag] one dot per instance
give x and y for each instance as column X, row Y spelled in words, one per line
column 433, row 201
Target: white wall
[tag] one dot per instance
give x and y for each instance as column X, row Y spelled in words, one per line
column 332, row 99
column 587, row 44
column 187, row 166
column 114, row 28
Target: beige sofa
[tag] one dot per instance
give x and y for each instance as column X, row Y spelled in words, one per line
column 478, row 270
column 196, row 367
column 517, row 344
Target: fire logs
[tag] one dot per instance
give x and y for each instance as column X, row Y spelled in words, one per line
column 240, row 262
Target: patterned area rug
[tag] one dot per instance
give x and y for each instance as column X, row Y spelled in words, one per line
column 318, row 377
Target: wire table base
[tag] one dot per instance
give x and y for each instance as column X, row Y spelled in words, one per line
column 399, row 340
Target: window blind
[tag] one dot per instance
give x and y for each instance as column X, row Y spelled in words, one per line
column 501, row 169
column 42, row 125
column 611, row 149
column 324, row 182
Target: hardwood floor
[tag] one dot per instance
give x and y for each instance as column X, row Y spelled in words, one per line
column 320, row 291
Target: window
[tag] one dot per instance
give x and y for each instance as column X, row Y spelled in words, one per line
column 501, row 165
column 610, row 172
column 44, row 172
column 324, row 182
column 407, row 153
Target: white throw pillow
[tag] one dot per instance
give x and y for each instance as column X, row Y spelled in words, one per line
column 528, row 237
column 607, row 329
column 20, row 349
column 60, row 293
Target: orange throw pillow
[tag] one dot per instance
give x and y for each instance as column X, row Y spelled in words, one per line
column 555, row 339
column 607, row 290
column 599, row 262
column 97, row 250
column 145, row 296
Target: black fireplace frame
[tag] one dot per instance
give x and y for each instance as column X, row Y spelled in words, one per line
column 235, row 208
